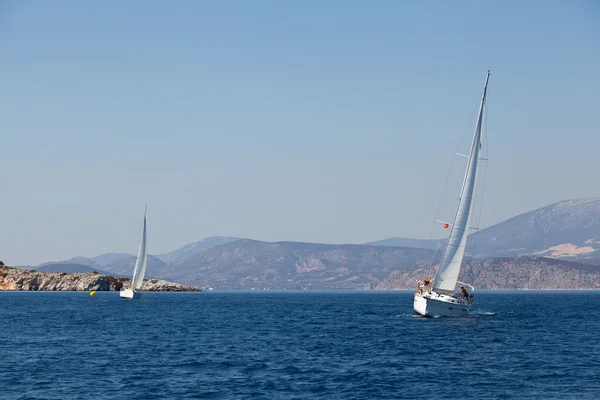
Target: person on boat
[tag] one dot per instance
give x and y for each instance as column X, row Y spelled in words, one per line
column 463, row 293
column 419, row 287
column 427, row 283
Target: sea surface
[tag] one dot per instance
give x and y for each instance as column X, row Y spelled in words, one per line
column 297, row 345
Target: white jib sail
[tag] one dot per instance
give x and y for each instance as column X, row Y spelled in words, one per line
column 140, row 264
column 447, row 275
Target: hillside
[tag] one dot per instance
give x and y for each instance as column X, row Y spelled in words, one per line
column 568, row 230
column 509, row 273
column 120, row 262
column 124, row 266
column 108, row 258
column 406, row 242
column 245, row 264
column 193, row 249
column 75, row 261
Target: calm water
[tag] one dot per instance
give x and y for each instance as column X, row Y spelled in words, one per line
column 356, row 345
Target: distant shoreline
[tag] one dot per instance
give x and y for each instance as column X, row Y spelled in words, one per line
column 13, row 279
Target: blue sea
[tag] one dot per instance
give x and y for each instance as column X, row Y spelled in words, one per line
column 297, row 345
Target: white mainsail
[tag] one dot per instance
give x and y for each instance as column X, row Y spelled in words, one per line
column 447, row 275
column 140, row 264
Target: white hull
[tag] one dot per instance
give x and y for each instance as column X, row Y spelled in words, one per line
column 440, row 305
column 130, row 294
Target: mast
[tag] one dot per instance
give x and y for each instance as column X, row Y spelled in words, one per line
column 447, row 275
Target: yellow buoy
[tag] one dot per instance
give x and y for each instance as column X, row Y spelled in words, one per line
column 93, row 293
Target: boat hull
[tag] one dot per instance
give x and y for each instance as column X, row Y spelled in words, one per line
column 130, row 294
column 439, row 305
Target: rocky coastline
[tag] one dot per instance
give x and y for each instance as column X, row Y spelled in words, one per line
column 32, row 280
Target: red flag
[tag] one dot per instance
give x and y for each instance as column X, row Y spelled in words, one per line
column 446, row 225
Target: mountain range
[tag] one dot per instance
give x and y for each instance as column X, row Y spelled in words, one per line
column 568, row 231
column 250, row 263
column 192, row 249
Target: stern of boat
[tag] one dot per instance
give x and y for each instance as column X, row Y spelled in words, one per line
column 129, row 294
column 420, row 304
column 440, row 305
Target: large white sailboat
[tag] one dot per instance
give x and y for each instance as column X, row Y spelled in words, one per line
column 440, row 297
column 132, row 292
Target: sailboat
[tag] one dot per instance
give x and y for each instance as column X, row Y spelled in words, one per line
column 440, row 298
column 132, row 292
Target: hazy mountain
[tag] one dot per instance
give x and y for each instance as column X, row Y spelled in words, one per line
column 568, row 229
column 245, row 264
column 80, row 264
column 71, row 268
column 406, row 242
column 75, row 260
column 24, row 267
column 195, row 248
column 108, row 258
column 124, row 266
column 509, row 273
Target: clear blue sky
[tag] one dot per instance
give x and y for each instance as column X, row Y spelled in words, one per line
column 328, row 121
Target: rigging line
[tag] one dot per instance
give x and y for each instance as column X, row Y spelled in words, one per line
column 481, row 202
column 437, row 212
column 484, row 174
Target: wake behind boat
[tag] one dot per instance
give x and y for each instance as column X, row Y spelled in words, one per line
column 440, row 298
column 132, row 292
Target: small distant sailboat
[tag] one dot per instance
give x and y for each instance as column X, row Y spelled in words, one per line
column 132, row 292
column 440, row 299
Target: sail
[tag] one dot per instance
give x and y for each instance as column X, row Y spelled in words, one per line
column 142, row 258
column 447, row 275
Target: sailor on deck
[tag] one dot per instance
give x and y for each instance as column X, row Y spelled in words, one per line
column 419, row 287
column 427, row 283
